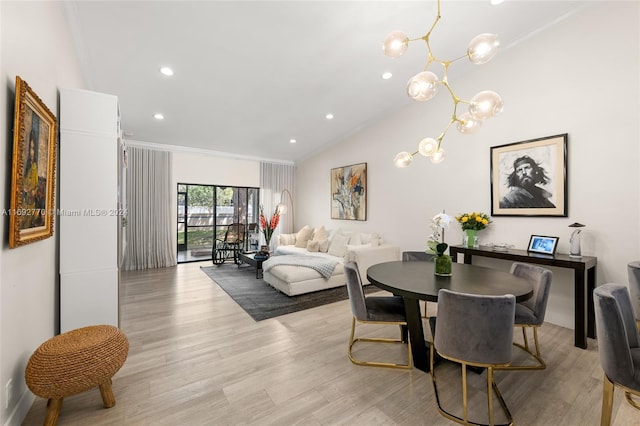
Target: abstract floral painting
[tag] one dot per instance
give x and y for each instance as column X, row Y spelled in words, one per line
column 349, row 192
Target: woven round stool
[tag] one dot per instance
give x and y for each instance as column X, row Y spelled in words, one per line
column 74, row 362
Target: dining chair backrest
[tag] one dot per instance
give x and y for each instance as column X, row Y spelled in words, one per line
column 408, row 256
column 540, row 279
column 617, row 334
column 475, row 328
column 356, row 293
column 634, row 287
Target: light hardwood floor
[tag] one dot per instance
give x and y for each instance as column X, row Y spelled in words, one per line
column 196, row 358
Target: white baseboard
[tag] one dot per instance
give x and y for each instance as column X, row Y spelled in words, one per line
column 21, row 409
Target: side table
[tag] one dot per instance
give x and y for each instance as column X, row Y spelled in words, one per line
column 584, row 272
column 249, row 259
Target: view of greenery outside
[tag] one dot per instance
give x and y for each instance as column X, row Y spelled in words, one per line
column 201, row 212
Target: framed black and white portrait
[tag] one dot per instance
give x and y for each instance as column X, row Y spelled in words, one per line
column 529, row 178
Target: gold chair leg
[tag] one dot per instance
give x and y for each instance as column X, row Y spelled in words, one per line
column 492, row 388
column 630, row 400
column 607, row 402
column 353, row 341
column 540, row 364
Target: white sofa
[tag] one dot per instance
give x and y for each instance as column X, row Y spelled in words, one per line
column 293, row 280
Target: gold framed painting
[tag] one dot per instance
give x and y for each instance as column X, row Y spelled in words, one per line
column 33, row 169
column 349, row 192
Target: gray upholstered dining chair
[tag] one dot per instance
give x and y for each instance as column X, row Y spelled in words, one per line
column 531, row 312
column 618, row 345
column 374, row 310
column 634, row 289
column 410, row 256
column 474, row 330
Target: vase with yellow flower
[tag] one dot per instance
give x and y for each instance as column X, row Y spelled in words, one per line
column 436, row 245
column 472, row 223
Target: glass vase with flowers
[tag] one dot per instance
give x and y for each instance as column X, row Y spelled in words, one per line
column 436, row 244
column 472, row 223
column 268, row 227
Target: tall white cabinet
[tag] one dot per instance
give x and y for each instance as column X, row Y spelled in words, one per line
column 90, row 138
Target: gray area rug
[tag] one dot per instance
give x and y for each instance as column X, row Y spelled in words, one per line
column 261, row 301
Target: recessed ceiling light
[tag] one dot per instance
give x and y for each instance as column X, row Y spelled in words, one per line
column 166, row 71
column 158, row 116
column 387, row 75
column 329, row 116
column 496, row 2
column 292, row 141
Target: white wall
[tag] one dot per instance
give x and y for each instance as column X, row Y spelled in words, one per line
column 580, row 77
column 36, row 45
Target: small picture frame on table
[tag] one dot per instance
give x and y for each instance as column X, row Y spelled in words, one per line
column 543, row 244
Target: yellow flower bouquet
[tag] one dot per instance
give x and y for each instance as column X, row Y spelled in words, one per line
column 475, row 221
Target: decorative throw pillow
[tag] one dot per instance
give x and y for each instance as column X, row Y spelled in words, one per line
column 334, row 232
column 355, row 239
column 375, row 240
column 303, row 236
column 287, row 239
column 313, row 246
column 323, row 245
column 320, row 234
column 338, row 245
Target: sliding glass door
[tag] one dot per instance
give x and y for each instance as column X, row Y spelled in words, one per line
column 205, row 212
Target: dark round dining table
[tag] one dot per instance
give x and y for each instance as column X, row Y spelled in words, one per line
column 416, row 280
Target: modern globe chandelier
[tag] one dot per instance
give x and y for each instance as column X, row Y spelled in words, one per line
column 424, row 85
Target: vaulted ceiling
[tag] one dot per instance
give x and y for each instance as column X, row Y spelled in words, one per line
column 249, row 76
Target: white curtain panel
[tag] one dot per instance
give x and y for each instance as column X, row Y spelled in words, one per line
column 274, row 179
column 148, row 190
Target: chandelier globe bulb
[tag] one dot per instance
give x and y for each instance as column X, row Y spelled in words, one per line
column 395, row 44
column 427, row 147
column 403, row 159
column 485, row 104
column 467, row 124
column 423, row 86
column 438, row 157
column 483, row 48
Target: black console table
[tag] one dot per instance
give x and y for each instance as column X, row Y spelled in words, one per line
column 584, row 267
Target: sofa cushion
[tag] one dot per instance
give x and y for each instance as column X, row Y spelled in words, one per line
column 323, row 246
column 338, row 245
column 320, row 234
column 355, row 239
column 303, row 236
column 349, row 256
column 287, row 239
column 313, row 246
